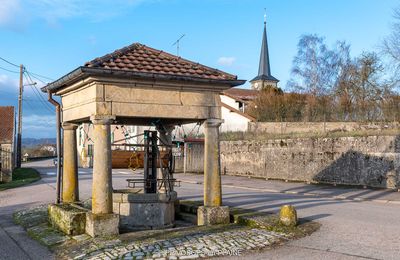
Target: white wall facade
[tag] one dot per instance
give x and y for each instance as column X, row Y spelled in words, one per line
column 233, row 121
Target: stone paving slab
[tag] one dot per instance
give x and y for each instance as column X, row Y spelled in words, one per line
column 229, row 243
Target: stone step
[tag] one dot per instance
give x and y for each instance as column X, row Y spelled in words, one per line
column 191, row 218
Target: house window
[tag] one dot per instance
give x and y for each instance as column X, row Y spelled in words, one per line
column 90, row 149
column 241, row 106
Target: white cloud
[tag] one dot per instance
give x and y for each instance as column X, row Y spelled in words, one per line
column 8, row 8
column 226, row 61
column 40, row 120
column 18, row 13
column 38, row 126
column 7, row 84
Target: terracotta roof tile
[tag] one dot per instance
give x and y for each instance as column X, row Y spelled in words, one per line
column 140, row 58
column 241, row 93
column 6, row 124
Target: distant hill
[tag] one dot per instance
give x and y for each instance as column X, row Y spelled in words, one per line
column 31, row 142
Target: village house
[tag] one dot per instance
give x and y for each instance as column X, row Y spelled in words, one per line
column 6, row 143
column 234, row 103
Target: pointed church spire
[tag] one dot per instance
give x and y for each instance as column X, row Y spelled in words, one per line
column 264, row 69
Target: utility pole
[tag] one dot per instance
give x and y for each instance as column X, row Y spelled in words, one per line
column 19, row 134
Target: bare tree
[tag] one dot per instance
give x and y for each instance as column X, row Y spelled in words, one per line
column 344, row 93
column 391, row 48
column 314, row 66
column 368, row 86
column 329, row 85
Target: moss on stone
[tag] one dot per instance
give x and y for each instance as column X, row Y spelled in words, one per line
column 68, row 218
column 288, row 215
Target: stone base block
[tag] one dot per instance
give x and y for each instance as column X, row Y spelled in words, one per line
column 212, row 215
column 69, row 218
column 138, row 211
column 102, row 225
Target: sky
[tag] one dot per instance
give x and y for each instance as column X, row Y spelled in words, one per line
column 53, row 37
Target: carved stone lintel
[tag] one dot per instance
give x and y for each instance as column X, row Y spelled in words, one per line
column 213, row 122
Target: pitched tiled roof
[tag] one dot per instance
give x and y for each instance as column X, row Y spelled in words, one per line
column 241, row 93
column 6, row 124
column 141, row 58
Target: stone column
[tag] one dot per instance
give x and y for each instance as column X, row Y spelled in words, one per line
column 102, row 169
column 212, row 170
column 70, row 189
column 101, row 221
column 212, row 212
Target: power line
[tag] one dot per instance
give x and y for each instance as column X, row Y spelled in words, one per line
column 9, row 62
column 37, row 93
column 41, row 99
column 41, row 76
column 13, row 71
column 36, row 77
column 33, row 74
column 50, row 108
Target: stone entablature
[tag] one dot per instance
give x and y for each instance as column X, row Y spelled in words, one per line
column 178, row 102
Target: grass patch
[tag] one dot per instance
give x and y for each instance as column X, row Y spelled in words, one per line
column 21, row 177
column 255, row 219
column 271, row 222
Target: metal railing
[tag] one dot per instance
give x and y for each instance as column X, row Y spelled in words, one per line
column 6, row 165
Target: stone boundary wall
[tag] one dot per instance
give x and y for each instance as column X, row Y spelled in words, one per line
column 317, row 127
column 372, row 161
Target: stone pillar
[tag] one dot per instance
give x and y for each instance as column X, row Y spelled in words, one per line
column 212, row 170
column 212, row 212
column 70, row 189
column 101, row 221
column 102, row 179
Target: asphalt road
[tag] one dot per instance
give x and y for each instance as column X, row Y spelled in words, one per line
column 350, row 229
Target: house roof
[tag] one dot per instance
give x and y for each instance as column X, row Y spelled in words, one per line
column 241, row 94
column 141, row 58
column 6, row 124
column 140, row 61
column 232, row 109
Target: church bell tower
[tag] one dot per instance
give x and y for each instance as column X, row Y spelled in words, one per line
column 264, row 78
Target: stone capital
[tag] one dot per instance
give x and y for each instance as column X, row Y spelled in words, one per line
column 213, row 122
column 102, row 119
column 69, row 126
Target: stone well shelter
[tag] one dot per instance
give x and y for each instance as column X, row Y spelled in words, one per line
column 139, row 85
